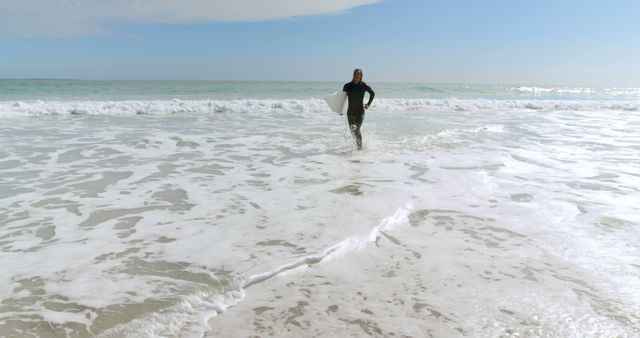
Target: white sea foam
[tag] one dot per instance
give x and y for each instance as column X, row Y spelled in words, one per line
column 156, row 224
column 191, row 315
column 267, row 106
column 578, row 91
column 342, row 248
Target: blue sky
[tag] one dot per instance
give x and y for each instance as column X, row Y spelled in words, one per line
column 568, row 42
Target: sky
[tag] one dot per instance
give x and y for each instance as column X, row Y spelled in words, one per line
column 544, row 42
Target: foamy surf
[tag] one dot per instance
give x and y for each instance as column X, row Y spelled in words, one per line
column 191, row 316
column 296, row 106
column 523, row 221
column 345, row 246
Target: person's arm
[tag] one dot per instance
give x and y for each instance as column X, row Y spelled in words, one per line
column 344, row 88
column 371, row 94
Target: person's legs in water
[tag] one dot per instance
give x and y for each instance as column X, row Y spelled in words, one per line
column 355, row 121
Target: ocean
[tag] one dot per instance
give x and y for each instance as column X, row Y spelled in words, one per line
column 237, row 209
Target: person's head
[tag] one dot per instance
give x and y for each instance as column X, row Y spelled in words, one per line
column 357, row 75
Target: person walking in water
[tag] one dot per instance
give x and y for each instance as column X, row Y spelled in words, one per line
column 355, row 113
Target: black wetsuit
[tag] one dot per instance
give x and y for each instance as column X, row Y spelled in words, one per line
column 355, row 112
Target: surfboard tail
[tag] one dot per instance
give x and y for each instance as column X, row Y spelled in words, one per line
column 337, row 102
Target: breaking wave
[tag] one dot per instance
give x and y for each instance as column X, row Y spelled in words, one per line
column 261, row 106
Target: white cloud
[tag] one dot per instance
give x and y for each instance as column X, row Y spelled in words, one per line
column 69, row 18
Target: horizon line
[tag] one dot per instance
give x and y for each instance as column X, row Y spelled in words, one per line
column 321, row 81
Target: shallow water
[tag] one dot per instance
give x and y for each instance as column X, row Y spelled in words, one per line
column 461, row 217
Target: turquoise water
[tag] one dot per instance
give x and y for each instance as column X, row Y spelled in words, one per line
column 146, row 90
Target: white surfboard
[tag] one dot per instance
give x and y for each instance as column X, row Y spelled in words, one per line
column 337, row 102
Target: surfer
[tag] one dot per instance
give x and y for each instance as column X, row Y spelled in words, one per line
column 355, row 113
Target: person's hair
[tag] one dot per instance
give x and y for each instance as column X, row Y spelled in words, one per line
column 358, row 70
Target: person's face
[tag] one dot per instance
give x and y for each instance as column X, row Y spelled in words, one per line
column 357, row 77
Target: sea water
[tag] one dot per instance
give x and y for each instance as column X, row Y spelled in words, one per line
column 224, row 209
